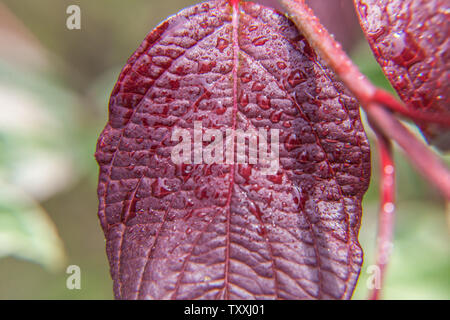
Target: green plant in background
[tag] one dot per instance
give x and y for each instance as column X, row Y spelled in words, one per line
column 39, row 147
column 26, row 231
column 37, row 160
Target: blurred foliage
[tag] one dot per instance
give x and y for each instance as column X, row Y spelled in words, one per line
column 25, row 230
column 38, row 132
column 53, row 104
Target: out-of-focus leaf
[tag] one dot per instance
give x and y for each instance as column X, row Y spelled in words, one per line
column 410, row 41
column 26, row 231
column 38, row 133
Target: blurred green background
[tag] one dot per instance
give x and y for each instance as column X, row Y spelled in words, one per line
column 54, row 89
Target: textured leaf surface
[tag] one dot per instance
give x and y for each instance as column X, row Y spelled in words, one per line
column 410, row 41
column 222, row 231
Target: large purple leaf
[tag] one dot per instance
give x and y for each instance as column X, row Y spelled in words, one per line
column 228, row 231
column 410, row 40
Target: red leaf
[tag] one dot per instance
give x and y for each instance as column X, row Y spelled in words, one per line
column 410, row 41
column 228, row 231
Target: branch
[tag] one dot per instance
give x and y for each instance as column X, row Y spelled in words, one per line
column 368, row 95
column 385, row 98
column 386, row 216
column 421, row 156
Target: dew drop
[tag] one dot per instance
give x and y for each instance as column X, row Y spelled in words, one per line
column 389, row 207
column 292, row 142
column 186, row 169
column 261, row 231
column 362, row 7
column 296, row 77
column 220, row 110
column 263, row 102
column 206, row 66
column 378, row 33
column 254, row 209
column 246, row 77
column 243, row 100
column 260, row 41
column 281, row 65
column 303, row 157
column 402, row 82
column 258, row 86
column 159, row 190
column 276, row 116
column 222, row 44
column 245, row 171
column 277, row 179
column 287, row 124
column 423, row 76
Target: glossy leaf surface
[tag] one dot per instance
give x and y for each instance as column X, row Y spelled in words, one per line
column 229, row 231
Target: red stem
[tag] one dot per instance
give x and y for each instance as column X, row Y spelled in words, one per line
column 387, row 211
column 422, row 158
column 386, row 99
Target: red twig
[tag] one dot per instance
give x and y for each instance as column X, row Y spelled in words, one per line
column 386, row 216
column 386, row 99
column 422, row 158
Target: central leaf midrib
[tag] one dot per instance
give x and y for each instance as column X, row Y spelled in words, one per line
column 235, row 45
